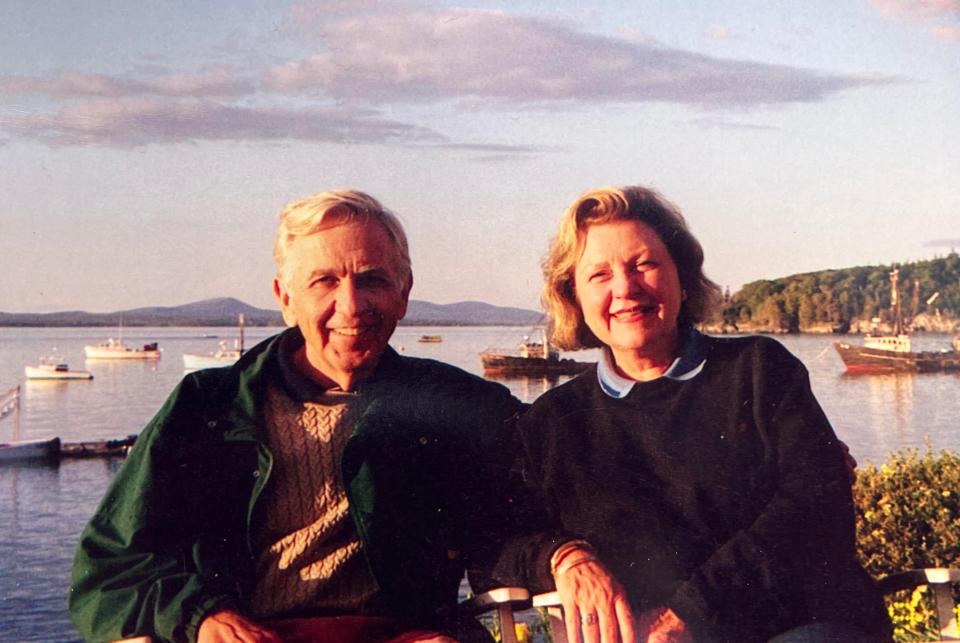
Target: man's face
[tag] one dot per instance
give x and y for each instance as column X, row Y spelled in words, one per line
column 341, row 288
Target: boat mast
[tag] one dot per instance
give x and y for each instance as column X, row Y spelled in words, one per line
column 241, row 334
column 895, row 301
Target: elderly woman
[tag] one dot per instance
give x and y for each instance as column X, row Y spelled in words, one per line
column 691, row 486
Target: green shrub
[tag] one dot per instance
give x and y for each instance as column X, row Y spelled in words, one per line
column 908, row 516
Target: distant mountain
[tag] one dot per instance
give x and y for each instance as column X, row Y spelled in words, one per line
column 468, row 313
column 224, row 311
column 209, row 312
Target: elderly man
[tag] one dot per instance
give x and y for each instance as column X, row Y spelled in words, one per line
column 323, row 487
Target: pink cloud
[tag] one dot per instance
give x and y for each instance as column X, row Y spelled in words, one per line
column 141, row 121
column 219, row 81
column 918, row 8
column 507, row 58
column 948, row 33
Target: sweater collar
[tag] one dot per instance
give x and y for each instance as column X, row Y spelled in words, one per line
column 688, row 365
column 303, row 389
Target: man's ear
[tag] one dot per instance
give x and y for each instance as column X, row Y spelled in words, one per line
column 283, row 297
column 405, row 293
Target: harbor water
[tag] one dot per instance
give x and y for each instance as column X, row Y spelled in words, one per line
column 44, row 507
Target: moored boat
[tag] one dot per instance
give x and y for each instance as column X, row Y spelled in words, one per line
column 30, row 450
column 116, row 349
column 892, row 352
column 531, row 359
column 866, row 358
column 223, row 356
column 53, row 367
column 430, row 339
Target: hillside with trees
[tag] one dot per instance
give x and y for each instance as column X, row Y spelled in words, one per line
column 849, row 299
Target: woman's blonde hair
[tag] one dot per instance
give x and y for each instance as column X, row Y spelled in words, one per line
column 606, row 205
column 338, row 207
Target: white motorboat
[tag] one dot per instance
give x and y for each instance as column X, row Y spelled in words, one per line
column 53, row 367
column 116, row 349
column 223, row 356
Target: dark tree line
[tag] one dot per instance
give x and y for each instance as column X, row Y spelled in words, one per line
column 841, row 298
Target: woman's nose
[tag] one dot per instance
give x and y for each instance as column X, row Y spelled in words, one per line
column 623, row 284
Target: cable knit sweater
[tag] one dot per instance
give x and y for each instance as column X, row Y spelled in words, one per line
column 308, row 553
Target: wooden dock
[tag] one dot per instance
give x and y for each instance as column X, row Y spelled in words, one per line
column 98, row 448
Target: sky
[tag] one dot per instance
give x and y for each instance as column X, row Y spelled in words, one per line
column 147, row 148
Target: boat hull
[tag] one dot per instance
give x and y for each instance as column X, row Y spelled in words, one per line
column 497, row 364
column 40, row 373
column 32, row 450
column 101, row 352
column 861, row 359
column 193, row 361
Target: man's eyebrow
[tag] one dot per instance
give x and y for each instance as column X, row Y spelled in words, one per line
column 375, row 269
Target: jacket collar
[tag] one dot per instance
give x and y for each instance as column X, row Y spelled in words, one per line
column 240, row 396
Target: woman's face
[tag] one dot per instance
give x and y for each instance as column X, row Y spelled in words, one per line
column 629, row 290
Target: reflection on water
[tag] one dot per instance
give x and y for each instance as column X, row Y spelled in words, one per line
column 44, row 507
column 887, row 405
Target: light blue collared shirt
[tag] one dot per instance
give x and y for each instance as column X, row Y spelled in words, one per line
column 692, row 359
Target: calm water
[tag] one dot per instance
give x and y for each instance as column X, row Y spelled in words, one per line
column 43, row 508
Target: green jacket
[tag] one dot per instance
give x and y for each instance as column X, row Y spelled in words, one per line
column 170, row 541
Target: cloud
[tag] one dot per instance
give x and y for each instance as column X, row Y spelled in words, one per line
column 496, row 151
column 949, row 243
column 511, row 59
column 368, row 56
column 945, row 32
column 931, row 12
column 214, row 82
column 320, row 10
column 141, row 121
column 720, row 123
column 918, row 8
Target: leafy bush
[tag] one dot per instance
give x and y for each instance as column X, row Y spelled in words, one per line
column 908, row 516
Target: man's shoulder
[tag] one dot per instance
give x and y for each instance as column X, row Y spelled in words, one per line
column 420, row 383
column 435, row 372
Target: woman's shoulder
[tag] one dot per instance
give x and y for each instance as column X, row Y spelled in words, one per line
column 755, row 350
column 746, row 344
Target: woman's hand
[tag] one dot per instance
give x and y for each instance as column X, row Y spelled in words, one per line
column 230, row 627
column 662, row 625
column 592, row 600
